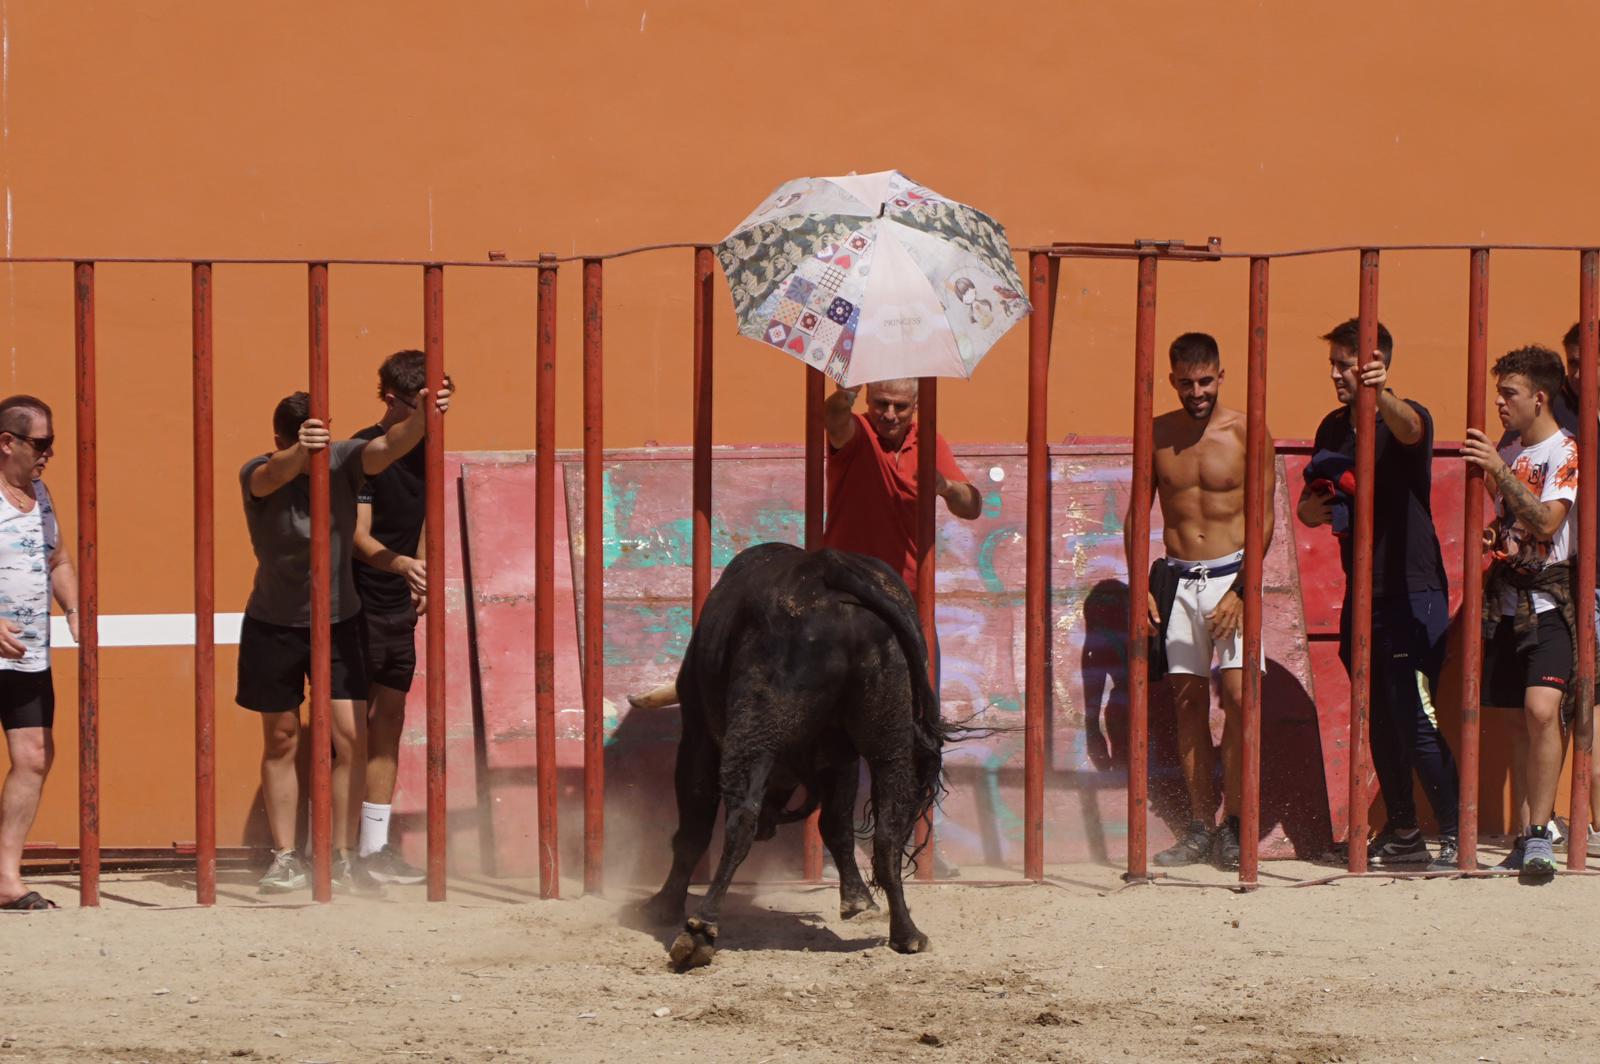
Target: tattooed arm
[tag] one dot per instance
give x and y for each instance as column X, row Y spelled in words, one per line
column 1540, row 518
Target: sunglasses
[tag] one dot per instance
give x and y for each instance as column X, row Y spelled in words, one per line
column 40, row 444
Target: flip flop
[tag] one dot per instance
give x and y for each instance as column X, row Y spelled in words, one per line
column 30, row 902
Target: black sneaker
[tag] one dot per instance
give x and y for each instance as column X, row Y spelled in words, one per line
column 1192, row 847
column 1512, row 861
column 1448, row 856
column 387, row 866
column 1397, row 847
column 350, row 875
column 1225, row 845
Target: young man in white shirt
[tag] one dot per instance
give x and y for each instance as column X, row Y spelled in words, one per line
column 1529, row 615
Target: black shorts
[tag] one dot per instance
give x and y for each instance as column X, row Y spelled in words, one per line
column 1508, row 673
column 27, row 699
column 275, row 664
column 392, row 648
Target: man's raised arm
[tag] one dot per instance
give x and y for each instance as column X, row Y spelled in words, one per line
column 283, row 466
column 395, row 444
column 838, row 416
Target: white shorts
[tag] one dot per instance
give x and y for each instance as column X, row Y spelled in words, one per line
column 1189, row 643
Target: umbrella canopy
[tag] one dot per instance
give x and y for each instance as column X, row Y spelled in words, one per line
column 871, row 277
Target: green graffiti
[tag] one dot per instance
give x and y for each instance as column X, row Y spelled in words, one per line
column 660, row 637
column 986, row 571
column 671, row 543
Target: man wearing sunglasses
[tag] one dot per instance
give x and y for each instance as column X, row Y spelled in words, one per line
column 33, row 567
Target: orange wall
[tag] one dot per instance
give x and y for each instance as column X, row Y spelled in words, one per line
column 405, row 129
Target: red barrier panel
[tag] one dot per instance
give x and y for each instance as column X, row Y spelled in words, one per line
column 1139, row 571
column 433, row 507
column 816, row 383
column 1042, row 272
column 1256, row 501
column 205, row 598
column 88, row 592
column 544, row 566
column 321, row 601
column 1588, row 410
column 1361, row 563
column 1472, row 564
column 594, row 585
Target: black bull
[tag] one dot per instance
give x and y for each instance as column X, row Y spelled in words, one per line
column 803, row 663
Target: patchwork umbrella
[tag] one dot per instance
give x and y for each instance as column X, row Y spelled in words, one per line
column 871, row 277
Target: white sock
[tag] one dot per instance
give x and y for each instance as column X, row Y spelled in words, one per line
column 374, row 828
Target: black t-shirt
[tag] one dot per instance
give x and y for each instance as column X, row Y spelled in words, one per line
column 1405, row 548
column 398, row 509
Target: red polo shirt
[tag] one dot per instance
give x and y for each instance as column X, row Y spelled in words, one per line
column 872, row 497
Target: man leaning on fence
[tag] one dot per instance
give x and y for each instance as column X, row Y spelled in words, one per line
column 1410, row 592
column 1529, row 611
column 34, row 566
column 275, row 639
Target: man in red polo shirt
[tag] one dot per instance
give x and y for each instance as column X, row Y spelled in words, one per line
column 872, row 486
column 872, row 476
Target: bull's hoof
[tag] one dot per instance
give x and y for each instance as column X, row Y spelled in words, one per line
column 695, row 947
column 916, row 943
column 661, row 910
column 856, row 905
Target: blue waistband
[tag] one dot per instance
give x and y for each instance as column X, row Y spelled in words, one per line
column 1198, row 572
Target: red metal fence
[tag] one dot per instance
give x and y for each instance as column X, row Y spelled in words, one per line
column 1043, row 272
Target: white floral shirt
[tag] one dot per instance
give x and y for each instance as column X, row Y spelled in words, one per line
column 26, row 542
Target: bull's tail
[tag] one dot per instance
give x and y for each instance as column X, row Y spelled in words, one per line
column 868, row 582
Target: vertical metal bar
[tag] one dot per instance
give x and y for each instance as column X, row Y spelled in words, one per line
column 544, row 567
column 1366, row 407
column 927, row 467
column 1036, row 608
column 594, row 583
column 433, row 504
column 1143, row 490
column 205, row 597
column 88, row 593
column 705, row 265
column 1588, row 410
column 321, row 601
column 1472, row 562
column 1256, row 506
column 811, row 856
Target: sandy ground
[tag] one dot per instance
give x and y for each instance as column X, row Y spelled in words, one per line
column 1076, row 971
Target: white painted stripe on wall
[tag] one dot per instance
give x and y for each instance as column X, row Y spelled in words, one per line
column 149, row 629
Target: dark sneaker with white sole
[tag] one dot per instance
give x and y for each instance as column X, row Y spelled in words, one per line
column 387, row 866
column 1512, row 861
column 1394, row 847
column 1538, row 861
column 1192, row 847
column 1448, row 856
column 350, row 875
column 1225, row 845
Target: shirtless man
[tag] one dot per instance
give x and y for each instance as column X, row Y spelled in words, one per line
column 1200, row 480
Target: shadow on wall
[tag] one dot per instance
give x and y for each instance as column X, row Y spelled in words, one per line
column 1293, row 796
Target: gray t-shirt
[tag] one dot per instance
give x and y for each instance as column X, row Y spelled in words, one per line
column 280, row 535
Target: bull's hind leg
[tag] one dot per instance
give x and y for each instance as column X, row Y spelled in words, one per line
column 837, row 787
column 696, row 781
column 744, row 788
column 894, row 791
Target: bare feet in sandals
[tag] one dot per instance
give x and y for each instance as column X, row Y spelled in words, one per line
column 30, row 902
